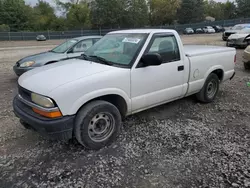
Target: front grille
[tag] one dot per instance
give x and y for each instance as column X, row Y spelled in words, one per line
column 26, row 94
column 228, row 34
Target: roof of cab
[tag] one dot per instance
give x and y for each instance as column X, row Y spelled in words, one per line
column 143, row 31
column 87, row 37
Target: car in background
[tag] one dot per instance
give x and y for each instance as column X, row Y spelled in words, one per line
column 71, row 48
column 41, row 38
column 246, row 55
column 218, row 28
column 209, row 29
column 234, row 30
column 199, row 30
column 188, row 31
column 239, row 39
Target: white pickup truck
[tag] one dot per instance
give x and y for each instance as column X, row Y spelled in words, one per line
column 123, row 73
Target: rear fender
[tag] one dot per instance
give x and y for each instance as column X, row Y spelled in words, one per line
column 212, row 69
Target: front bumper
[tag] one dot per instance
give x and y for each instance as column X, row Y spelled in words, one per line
column 59, row 128
column 236, row 42
column 232, row 76
column 20, row 70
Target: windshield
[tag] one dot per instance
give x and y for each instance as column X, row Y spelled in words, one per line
column 245, row 31
column 118, row 48
column 64, row 46
column 237, row 27
column 189, row 29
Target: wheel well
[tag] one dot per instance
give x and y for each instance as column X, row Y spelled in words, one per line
column 219, row 73
column 50, row 62
column 116, row 100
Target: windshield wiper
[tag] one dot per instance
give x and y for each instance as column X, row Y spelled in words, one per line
column 102, row 60
column 83, row 56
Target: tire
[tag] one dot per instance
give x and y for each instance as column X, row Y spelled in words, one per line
column 247, row 66
column 97, row 124
column 210, row 89
column 24, row 124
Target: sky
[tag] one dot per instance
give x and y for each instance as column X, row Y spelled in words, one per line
column 33, row 2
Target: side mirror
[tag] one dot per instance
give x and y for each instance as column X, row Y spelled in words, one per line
column 150, row 59
column 70, row 51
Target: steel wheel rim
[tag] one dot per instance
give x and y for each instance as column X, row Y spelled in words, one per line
column 211, row 89
column 101, row 127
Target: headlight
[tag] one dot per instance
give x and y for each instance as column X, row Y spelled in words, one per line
column 27, row 64
column 42, row 101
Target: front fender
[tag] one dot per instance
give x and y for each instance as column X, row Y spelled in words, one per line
column 99, row 93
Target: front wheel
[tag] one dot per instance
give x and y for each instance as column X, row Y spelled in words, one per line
column 97, row 124
column 210, row 89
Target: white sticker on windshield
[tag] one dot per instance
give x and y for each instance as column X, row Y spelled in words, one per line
column 132, row 40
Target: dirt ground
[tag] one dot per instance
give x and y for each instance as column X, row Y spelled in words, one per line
column 182, row 144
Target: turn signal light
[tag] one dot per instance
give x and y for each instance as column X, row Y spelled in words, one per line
column 54, row 114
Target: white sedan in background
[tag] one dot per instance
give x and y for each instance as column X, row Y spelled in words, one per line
column 209, row 29
column 239, row 39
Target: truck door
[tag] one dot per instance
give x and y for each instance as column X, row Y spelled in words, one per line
column 154, row 85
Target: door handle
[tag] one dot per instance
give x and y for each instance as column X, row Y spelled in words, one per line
column 181, row 68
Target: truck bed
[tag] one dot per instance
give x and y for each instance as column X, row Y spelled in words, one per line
column 196, row 50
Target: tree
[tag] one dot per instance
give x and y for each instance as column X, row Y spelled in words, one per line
column 15, row 14
column 4, row 28
column 229, row 10
column 214, row 9
column 44, row 16
column 243, row 8
column 220, row 11
column 78, row 15
column 137, row 14
column 191, row 11
column 109, row 13
column 77, row 12
column 163, row 11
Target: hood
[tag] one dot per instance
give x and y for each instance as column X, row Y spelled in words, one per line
column 238, row 36
column 44, row 79
column 42, row 58
column 232, row 31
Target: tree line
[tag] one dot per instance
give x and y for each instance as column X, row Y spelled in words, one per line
column 15, row 15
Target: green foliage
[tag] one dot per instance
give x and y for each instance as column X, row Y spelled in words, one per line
column 220, row 11
column 191, row 11
column 243, row 8
column 44, row 16
column 14, row 13
column 107, row 13
column 135, row 13
column 76, row 14
column 4, row 28
column 163, row 11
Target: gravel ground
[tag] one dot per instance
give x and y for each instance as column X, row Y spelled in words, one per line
column 182, row 144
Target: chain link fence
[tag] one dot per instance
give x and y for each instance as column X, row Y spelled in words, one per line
column 54, row 35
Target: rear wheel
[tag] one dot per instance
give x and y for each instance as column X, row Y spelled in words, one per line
column 210, row 89
column 97, row 124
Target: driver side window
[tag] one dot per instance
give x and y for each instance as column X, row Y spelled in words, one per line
column 82, row 46
column 167, row 47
